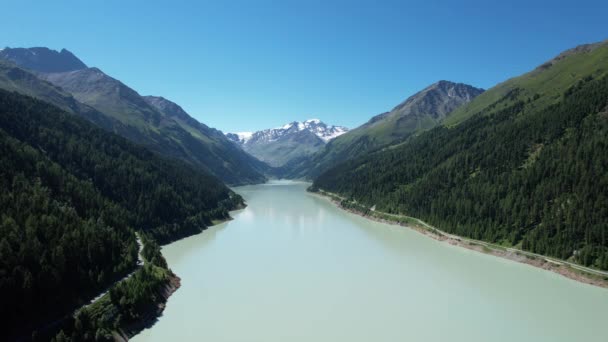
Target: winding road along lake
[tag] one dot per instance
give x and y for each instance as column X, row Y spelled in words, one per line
column 293, row 267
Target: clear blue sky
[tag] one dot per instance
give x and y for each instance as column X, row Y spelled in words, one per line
column 250, row 65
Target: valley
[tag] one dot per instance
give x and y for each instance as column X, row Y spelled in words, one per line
column 122, row 216
column 292, row 266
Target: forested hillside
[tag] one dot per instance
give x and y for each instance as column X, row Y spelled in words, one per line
column 72, row 197
column 523, row 171
column 62, row 79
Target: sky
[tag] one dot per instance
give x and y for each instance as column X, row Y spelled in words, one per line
column 251, row 65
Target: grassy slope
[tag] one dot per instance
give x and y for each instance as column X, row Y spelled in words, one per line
column 390, row 129
column 549, row 83
column 13, row 78
column 171, row 136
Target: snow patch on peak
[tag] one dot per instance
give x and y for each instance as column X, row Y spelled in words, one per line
column 335, row 132
column 244, row 136
column 239, row 137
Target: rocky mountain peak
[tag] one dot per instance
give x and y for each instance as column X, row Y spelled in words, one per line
column 42, row 59
column 438, row 99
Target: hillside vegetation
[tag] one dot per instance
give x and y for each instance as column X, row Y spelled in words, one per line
column 543, row 86
column 72, row 197
column 528, row 170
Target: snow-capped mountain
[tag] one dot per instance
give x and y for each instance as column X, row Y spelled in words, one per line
column 277, row 146
column 315, row 126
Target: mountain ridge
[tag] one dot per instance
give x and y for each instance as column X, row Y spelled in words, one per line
column 43, row 59
column 421, row 111
column 118, row 108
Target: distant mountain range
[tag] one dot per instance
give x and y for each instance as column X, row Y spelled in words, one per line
column 154, row 122
column 293, row 141
column 421, row 111
column 306, row 149
column 295, row 150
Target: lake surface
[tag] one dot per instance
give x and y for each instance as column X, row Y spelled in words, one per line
column 293, row 267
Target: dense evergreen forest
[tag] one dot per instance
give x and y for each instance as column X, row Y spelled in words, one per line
column 521, row 176
column 72, row 197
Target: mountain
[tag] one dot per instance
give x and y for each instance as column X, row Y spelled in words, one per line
column 93, row 87
column 43, row 59
column 293, row 141
column 550, row 80
column 14, row 78
column 420, row 112
column 222, row 156
column 525, row 164
column 116, row 107
column 173, row 110
column 72, row 197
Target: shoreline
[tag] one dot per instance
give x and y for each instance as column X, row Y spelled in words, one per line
column 174, row 283
column 126, row 333
column 151, row 317
column 560, row 267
